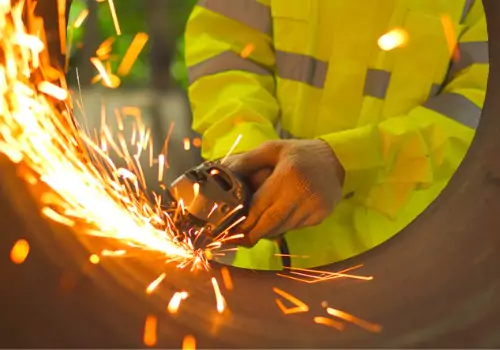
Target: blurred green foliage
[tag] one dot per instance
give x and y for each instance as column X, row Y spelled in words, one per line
column 133, row 18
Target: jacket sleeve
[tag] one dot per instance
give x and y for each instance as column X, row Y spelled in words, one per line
column 386, row 162
column 231, row 63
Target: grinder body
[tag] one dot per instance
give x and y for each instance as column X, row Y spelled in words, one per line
column 212, row 198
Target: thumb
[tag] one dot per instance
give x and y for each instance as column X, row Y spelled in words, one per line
column 264, row 156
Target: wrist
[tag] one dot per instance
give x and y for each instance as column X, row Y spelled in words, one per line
column 327, row 152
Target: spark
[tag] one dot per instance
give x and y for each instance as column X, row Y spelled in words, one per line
column 236, row 142
column 329, row 322
column 196, row 190
column 335, row 274
column 20, row 251
column 293, row 256
column 371, row 327
column 149, row 337
column 161, row 167
column 82, row 16
column 247, row 50
column 113, row 252
column 187, row 144
column 167, row 140
column 132, row 53
column 233, row 237
column 314, row 276
column 197, row 142
column 53, row 90
column 94, row 259
column 393, row 39
column 189, row 343
column 221, row 302
column 153, row 285
column 175, row 302
column 102, row 70
column 52, row 214
column 451, row 40
column 61, row 17
column 215, row 205
column 209, row 254
column 105, row 48
column 226, row 278
column 300, row 306
column 115, row 17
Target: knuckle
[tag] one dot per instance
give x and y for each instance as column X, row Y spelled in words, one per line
column 273, row 216
column 269, row 144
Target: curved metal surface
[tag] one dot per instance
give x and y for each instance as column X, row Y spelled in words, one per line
column 437, row 284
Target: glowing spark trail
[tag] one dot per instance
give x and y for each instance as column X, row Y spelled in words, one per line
column 150, row 330
column 300, row 306
column 175, row 302
column 153, row 285
column 371, row 327
column 20, row 251
column 189, row 343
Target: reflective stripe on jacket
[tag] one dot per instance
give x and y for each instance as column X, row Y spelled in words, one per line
column 400, row 121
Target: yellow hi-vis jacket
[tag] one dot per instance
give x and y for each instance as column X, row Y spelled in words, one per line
column 400, row 121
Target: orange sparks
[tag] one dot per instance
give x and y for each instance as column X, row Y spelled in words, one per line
column 214, row 172
column 114, row 80
column 325, row 321
column 197, row 142
column 50, row 213
column 208, row 254
column 115, row 17
column 94, row 259
column 161, row 167
column 20, row 251
column 449, row 33
column 337, row 274
column 196, row 189
column 105, row 48
column 189, row 343
column 371, row 327
column 149, row 337
column 153, row 285
column 113, row 252
column 187, row 144
column 53, row 90
column 221, row 302
column 82, row 16
column 102, row 70
column 61, row 16
column 226, row 278
column 300, row 306
column 293, row 256
column 232, row 148
column 34, row 43
column 132, row 53
column 393, row 39
column 175, row 302
column 247, row 51
column 315, row 276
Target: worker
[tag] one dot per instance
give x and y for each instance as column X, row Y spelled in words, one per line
column 351, row 115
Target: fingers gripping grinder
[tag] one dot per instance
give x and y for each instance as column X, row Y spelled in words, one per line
column 209, row 198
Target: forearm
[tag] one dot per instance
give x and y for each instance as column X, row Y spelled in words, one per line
column 231, row 93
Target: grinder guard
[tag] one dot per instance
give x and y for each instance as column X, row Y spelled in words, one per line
column 215, row 207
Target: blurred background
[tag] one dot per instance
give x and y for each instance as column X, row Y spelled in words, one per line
column 140, row 45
